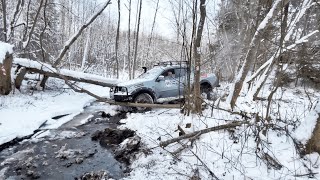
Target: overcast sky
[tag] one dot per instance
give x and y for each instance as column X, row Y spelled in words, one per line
column 164, row 20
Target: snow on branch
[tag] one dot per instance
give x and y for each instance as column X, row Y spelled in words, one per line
column 4, row 48
column 305, row 5
column 270, row 63
column 248, row 60
column 276, row 55
column 267, row 19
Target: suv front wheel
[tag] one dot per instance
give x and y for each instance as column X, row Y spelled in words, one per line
column 206, row 89
column 143, row 98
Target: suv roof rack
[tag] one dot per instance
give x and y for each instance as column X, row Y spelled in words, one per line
column 170, row 63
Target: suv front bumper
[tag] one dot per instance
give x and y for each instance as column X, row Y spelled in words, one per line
column 120, row 94
column 122, row 98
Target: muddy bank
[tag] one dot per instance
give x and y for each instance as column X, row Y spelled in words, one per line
column 124, row 143
column 73, row 152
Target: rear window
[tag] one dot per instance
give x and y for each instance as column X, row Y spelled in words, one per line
column 180, row 72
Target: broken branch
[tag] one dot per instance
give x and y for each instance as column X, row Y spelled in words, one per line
column 203, row 131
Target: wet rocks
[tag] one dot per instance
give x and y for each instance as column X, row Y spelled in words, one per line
column 117, row 118
column 64, row 153
column 110, row 136
column 127, row 149
column 73, row 156
column 124, row 142
column 100, row 175
column 79, row 160
column 104, row 114
column 32, row 174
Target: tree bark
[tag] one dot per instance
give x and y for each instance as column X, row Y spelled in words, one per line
column 86, row 51
column 52, row 72
column 27, row 41
column 4, row 20
column 197, row 57
column 117, row 40
column 13, row 22
column 5, row 74
column 203, row 131
column 152, row 29
column 137, row 42
column 129, row 38
column 20, row 76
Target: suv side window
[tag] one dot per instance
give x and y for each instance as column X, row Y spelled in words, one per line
column 180, row 72
column 170, row 73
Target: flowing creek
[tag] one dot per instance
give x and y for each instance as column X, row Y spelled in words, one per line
column 67, row 152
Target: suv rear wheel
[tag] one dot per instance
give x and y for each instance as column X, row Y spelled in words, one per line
column 143, row 98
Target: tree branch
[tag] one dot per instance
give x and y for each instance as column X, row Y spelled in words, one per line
column 203, row 131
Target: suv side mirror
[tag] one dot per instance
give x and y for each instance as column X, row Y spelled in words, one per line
column 144, row 69
column 160, row 78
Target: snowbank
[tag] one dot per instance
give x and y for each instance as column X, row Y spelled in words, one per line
column 228, row 154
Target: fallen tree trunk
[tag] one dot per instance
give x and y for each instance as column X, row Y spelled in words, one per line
column 203, row 131
column 110, row 101
column 5, row 68
column 68, row 75
column 70, row 78
column 48, row 70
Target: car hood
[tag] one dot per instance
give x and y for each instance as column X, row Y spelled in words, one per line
column 132, row 82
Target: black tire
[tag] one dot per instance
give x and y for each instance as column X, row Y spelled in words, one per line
column 207, row 89
column 143, row 98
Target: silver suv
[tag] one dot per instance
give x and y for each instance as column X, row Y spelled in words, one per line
column 164, row 82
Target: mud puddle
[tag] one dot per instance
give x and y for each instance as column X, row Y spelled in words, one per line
column 72, row 151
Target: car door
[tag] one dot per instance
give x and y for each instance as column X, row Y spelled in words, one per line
column 181, row 78
column 168, row 85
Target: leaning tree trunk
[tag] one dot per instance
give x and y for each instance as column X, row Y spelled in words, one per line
column 73, row 39
column 5, row 75
column 248, row 61
column 137, row 42
column 197, row 58
column 117, row 40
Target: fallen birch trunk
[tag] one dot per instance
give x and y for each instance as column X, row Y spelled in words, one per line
column 203, row 131
column 48, row 70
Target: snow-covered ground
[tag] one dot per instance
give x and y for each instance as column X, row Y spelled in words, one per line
column 230, row 154
column 225, row 154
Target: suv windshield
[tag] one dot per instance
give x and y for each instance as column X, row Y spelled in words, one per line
column 152, row 73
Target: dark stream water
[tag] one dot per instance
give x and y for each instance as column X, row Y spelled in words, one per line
column 66, row 153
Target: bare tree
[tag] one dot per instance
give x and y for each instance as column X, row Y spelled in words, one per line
column 137, row 41
column 117, row 40
column 86, row 50
column 73, row 39
column 152, row 29
column 27, row 38
column 5, row 70
column 129, row 39
column 4, row 19
column 197, row 57
column 249, row 58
